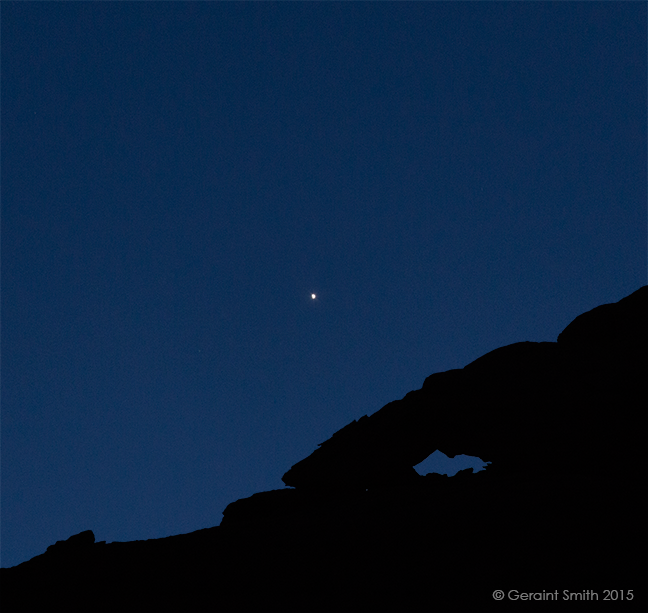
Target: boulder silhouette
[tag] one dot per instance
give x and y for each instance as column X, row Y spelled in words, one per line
column 74, row 546
column 558, row 521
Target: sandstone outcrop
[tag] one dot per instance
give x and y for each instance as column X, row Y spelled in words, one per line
column 562, row 508
column 535, row 407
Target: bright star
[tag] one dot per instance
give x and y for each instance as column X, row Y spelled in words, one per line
column 313, row 296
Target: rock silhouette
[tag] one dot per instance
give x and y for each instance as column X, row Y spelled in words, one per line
column 74, row 545
column 558, row 521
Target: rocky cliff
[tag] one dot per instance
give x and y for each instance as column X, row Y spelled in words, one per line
column 558, row 521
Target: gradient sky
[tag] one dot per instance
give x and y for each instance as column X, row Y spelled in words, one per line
column 178, row 178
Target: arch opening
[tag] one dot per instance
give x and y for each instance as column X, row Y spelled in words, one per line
column 439, row 462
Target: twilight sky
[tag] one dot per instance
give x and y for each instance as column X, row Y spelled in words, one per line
column 178, row 178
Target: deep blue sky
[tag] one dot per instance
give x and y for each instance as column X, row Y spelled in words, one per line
column 177, row 178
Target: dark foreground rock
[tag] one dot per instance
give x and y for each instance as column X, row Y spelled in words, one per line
column 558, row 521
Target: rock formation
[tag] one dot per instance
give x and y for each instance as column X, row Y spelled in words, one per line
column 74, row 545
column 560, row 515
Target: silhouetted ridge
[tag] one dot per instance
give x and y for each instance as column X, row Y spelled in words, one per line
column 621, row 326
column 562, row 506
